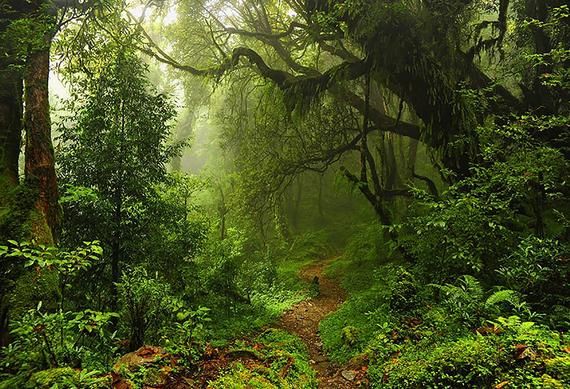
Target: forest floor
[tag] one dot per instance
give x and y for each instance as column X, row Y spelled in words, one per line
column 303, row 320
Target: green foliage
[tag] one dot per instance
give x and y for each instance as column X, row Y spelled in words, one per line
column 151, row 314
column 403, row 299
column 186, row 336
column 368, row 304
column 464, row 300
column 283, row 362
column 39, row 273
column 145, row 306
column 350, row 336
column 67, row 378
column 535, row 268
column 47, row 340
column 518, row 355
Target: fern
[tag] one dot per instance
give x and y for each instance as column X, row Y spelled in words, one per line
column 503, row 296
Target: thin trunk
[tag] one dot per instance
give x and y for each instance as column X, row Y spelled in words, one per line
column 222, row 209
column 40, row 163
column 540, row 200
column 320, row 197
column 116, row 249
column 118, row 216
column 297, row 203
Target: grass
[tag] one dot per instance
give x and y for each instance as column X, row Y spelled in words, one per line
column 233, row 319
column 347, row 331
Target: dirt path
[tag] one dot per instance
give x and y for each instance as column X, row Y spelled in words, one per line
column 303, row 320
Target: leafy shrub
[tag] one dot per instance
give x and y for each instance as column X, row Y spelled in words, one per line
column 145, row 306
column 404, row 299
column 537, row 269
column 187, row 335
column 518, row 352
column 44, row 340
column 349, row 336
column 463, row 301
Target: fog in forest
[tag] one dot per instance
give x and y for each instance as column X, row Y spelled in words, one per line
column 284, row 194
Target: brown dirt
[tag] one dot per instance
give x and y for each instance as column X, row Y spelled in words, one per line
column 303, row 320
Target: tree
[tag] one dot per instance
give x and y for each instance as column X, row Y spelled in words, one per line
column 366, row 54
column 117, row 147
column 27, row 30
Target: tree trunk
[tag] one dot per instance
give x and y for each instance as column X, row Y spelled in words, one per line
column 11, row 90
column 116, row 249
column 320, row 196
column 40, row 164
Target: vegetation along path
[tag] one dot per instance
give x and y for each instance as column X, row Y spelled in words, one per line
column 303, row 320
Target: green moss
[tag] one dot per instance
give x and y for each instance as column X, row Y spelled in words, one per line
column 62, row 377
column 282, row 362
column 16, row 202
column 33, row 287
column 67, row 378
column 239, row 377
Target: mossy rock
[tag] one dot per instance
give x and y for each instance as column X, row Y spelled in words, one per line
column 63, row 377
column 145, row 355
column 147, row 367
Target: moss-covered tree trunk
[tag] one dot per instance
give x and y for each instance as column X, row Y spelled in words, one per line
column 40, row 163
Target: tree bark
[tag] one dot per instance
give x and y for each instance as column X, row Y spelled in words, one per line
column 11, row 89
column 40, row 163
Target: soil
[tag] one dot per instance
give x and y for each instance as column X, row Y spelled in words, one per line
column 303, row 320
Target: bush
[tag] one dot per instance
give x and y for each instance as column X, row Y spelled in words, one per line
column 145, row 306
column 518, row 352
column 537, row 269
column 42, row 340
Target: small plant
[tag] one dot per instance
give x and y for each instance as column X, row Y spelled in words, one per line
column 404, row 297
column 146, row 304
column 350, row 336
column 188, row 334
column 463, row 300
column 51, row 340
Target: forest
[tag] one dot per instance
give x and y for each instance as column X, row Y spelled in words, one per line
column 284, row 194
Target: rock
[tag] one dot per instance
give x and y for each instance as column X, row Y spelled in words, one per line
column 152, row 363
column 348, row 375
column 144, row 355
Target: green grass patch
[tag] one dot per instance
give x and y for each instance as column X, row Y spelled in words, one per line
column 282, row 362
column 346, row 332
column 233, row 319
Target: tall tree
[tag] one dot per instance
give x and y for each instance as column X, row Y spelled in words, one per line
column 117, row 147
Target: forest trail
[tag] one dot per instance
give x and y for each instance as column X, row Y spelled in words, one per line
column 303, row 320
